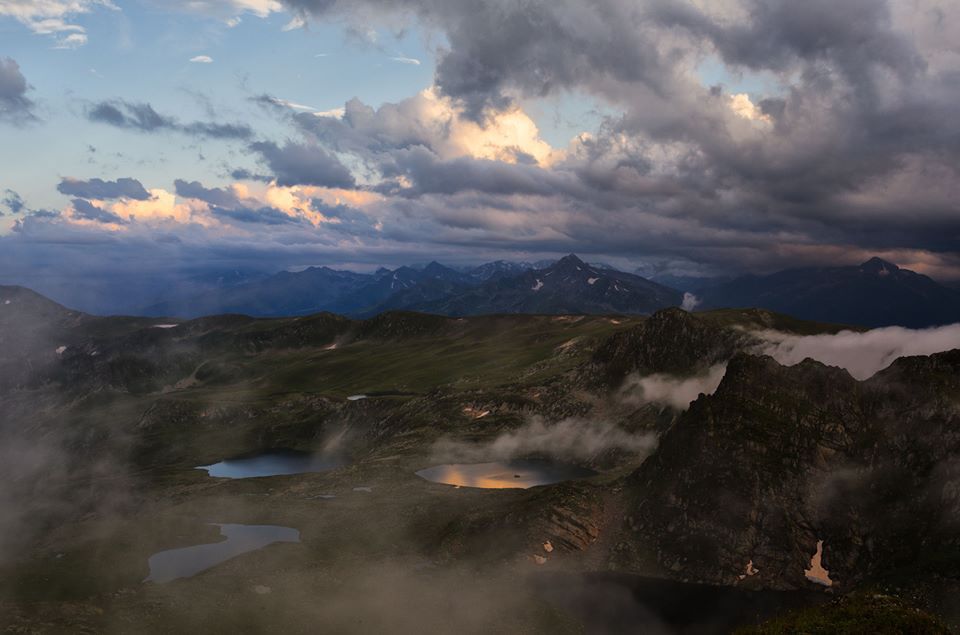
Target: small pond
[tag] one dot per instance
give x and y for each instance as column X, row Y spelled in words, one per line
column 189, row 561
column 272, row 463
column 515, row 474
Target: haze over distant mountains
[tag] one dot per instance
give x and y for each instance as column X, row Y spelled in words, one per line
column 567, row 286
column 876, row 293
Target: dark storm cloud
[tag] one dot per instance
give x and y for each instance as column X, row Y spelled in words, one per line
column 243, row 174
column 780, row 33
column 99, row 189
column 143, row 118
column 15, row 107
column 88, row 211
column 262, row 215
column 534, row 48
column 303, row 164
column 849, row 144
column 859, row 147
column 346, row 219
column 212, row 195
column 12, row 201
column 430, row 174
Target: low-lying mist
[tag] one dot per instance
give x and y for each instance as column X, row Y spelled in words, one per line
column 861, row 354
column 670, row 390
column 570, row 439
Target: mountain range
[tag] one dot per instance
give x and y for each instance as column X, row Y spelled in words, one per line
column 875, row 293
column 568, row 286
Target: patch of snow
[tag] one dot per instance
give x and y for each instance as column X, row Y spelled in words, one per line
column 749, row 571
column 6, row 302
column 537, row 286
column 61, row 350
column 816, row 573
column 164, row 326
column 476, row 413
column 592, row 280
column 356, row 397
column 330, row 347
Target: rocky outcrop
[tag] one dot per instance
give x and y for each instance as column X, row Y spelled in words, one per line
column 670, row 341
column 780, row 458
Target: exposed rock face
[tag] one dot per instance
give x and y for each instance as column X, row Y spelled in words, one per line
column 781, row 457
column 670, row 341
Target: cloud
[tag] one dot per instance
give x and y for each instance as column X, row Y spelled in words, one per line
column 571, row 439
column 12, row 201
column 861, row 354
column 143, row 118
column 843, row 147
column 690, row 302
column 99, row 189
column 227, row 10
column 14, row 105
column 406, row 60
column 53, row 17
column 668, row 390
column 85, row 210
column 303, row 164
column 202, row 59
column 854, row 125
column 72, row 41
column 214, row 196
column 263, row 215
column 268, row 100
column 434, row 122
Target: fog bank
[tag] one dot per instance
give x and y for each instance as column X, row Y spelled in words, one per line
column 573, row 438
column 861, row 354
column 670, row 390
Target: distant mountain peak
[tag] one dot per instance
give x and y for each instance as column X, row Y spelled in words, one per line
column 571, row 259
column 435, row 266
column 878, row 266
column 569, row 264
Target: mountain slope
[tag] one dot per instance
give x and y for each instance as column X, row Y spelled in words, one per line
column 876, row 293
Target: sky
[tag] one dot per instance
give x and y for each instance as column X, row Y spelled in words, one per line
column 691, row 137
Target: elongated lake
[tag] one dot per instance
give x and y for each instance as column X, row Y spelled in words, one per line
column 515, row 474
column 272, row 463
column 189, row 561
